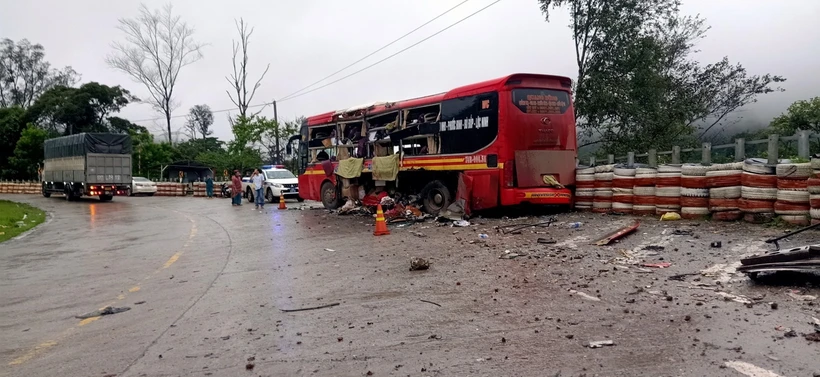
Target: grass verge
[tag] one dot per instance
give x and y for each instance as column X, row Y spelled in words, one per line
column 17, row 218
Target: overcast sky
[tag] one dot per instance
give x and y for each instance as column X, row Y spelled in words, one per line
column 309, row 39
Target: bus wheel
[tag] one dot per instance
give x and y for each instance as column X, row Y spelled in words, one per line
column 330, row 195
column 435, row 197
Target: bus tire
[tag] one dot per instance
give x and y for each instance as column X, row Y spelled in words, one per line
column 330, row 195
column 436, row 197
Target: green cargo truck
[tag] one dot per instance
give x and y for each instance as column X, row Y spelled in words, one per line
column 87, row 164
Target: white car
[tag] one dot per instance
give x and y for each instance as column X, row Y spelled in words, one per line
column 142, row 186
column 277, row 181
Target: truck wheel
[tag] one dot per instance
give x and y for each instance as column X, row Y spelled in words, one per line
column 330, row 195
column 69, row 194
column 300, row 199
column 46, row 193
column 249, row 195
column 106, row 198
column 436, row 197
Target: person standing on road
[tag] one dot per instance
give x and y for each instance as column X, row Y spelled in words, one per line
column 258, row 180
column 236, row 190
column 209, row 187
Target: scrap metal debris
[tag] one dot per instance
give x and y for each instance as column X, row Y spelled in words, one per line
column 508, row 229
column 800, row 259
column 108, row 310
column 657, row 265
column 430, row 302
column 618, row 234
column 601, row 343
column 310, row 308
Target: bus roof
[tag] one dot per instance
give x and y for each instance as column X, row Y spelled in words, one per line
column 462, row 91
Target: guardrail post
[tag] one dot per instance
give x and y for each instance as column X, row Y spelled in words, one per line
column 706, row 154
column 591, row 160
column 652, row 158
column 611, row 159
column 630, row 158
column 740, row 149
column 676, row 155
column 774, row 143
column 803, row 144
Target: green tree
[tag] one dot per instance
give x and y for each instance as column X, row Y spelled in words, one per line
column 149, row 157
column 199, row 121
column 801, row 115
column 25, row 74
column 124, row 126
column 240, row 159
column 191, row 149
column 69, row 110
column 638, row 86
column 12, row 124
column 28, row 153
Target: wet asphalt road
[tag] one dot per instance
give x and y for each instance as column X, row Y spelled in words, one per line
column 205, row 283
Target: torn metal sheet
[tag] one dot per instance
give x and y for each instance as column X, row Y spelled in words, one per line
column 618, row 234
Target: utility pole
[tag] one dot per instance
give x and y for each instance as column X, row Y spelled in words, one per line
column 276, row 134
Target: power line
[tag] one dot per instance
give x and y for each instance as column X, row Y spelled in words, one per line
column 375, row 52
column 350, row 75
column 393, row 55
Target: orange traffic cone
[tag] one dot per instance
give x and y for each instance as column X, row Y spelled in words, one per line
column 282, row 202
column 381, row 225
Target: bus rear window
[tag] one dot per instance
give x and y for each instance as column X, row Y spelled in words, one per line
column 540, row 101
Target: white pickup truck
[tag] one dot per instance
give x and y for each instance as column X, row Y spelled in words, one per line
column 277, row 181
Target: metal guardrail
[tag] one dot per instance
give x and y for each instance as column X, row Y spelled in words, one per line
column 802, row 138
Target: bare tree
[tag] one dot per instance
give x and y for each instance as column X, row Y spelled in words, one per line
column 239, row 78
column 157, row 45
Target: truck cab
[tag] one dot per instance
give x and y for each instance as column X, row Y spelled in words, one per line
column 276, row 181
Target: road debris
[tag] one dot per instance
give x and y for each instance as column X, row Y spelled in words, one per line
column 510, row 255
column 330, row 250
column 750, row 369
column 461, row 223
column 601, row 343
column 430, row 302
column 585, row 296
column 716, row 245
column 799, row 297
column 618, row 234
column 108, row 310
column 670, row 216
column 657, row 265
column 735, row 298
column 515, row 228
column 546, row 241
column 417, row 264
column 310, row 308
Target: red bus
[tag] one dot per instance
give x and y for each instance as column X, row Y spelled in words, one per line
column 500, row 142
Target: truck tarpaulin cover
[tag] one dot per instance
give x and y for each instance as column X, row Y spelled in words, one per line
column 82, row 144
